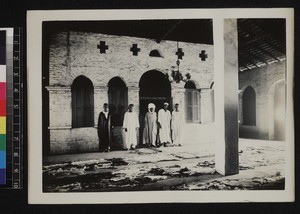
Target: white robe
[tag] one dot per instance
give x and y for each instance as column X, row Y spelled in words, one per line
column 131, row 122
column 150, row 129
column 164, row 118
column 177, row 127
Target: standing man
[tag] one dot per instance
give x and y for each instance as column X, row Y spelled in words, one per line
column 177, row 126
column 104, row 129
column 164, row 120
column 131, row 125
column 150, row 128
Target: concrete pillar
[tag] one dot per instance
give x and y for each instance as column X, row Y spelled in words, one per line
column 178, row 97
column 226, row 96
column 240, row 108
column 100, row 97
column 207, row 105
column 60, row 107
column 262, row 117
column 271, row 117
column 133, row 97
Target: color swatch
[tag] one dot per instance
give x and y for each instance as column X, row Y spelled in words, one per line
column 11, row 108
column 2, row 107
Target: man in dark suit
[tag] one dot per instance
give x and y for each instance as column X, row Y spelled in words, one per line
column 104, row 129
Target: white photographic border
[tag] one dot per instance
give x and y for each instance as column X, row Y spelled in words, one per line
column 34, row 96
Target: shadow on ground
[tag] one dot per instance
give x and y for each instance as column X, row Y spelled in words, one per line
column 261, row 168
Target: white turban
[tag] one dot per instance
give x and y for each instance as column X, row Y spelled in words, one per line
column 151, row 105
column 167, row 104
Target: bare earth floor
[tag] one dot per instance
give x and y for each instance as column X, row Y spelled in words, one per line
column 190, row 167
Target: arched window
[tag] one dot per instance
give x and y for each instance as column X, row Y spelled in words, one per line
column 82, row 102
column 155, row 53
column 249, row 107
column 192, row 100
column 117, row 100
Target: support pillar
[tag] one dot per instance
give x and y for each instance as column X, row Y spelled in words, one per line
column 100, row 97
column 226, row 96
column 60, row 99
column 178, row 97
column 133, row 97
column 271, row 117
column 207, row 105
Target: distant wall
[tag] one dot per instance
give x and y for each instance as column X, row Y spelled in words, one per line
column 264, row 81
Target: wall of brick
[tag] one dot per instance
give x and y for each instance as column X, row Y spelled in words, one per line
column 100, row 97
column 81, row 56
column 118, row 138
column 75, row 53
column 73, row 140
column 263, row 81
column 59, row 60
column 207, row 105
column 60, row 106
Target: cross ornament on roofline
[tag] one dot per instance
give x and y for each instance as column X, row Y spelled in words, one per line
column 135, row 50
column 102, row 47
column 203, row 55
column 179, row 53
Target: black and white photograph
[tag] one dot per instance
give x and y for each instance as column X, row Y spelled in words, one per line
column 145, row 105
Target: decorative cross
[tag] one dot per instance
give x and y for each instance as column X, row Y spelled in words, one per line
column 179, row 53
column 135, row 50
column 203, row 55
column 102, row 47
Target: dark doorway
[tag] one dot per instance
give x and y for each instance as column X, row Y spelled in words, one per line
column 249, row 107
column 154, row 88
column 117, row 100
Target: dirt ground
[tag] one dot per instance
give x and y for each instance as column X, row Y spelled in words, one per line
column 190, row 167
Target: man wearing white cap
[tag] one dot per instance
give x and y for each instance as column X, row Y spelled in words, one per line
column 150, row 129
column 177, row 126
column 164, row 120
column 131, row 125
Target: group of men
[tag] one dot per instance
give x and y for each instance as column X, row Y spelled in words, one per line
column 164, row 128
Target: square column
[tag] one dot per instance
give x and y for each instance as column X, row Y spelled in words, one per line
column 100, row 97
column 226, row 95
column 207, row 105
column 60, row 108
column 178, row 95
column 133, row 97
column 271, row 117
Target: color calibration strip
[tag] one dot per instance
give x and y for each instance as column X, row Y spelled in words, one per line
column 2, row 107
column 11, row 122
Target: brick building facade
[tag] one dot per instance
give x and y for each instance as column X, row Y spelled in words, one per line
column 88, row 69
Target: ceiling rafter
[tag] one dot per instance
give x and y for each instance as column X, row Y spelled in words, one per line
column 257, row 43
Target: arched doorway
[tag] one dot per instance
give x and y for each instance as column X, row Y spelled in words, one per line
column 249, row 107
column 154, row 88
column 117, row 100
column 279, row 112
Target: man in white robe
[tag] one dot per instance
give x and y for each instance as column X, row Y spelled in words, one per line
column 150, row 127
column 131, row 125
column 177, row 124
column 164, row 120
